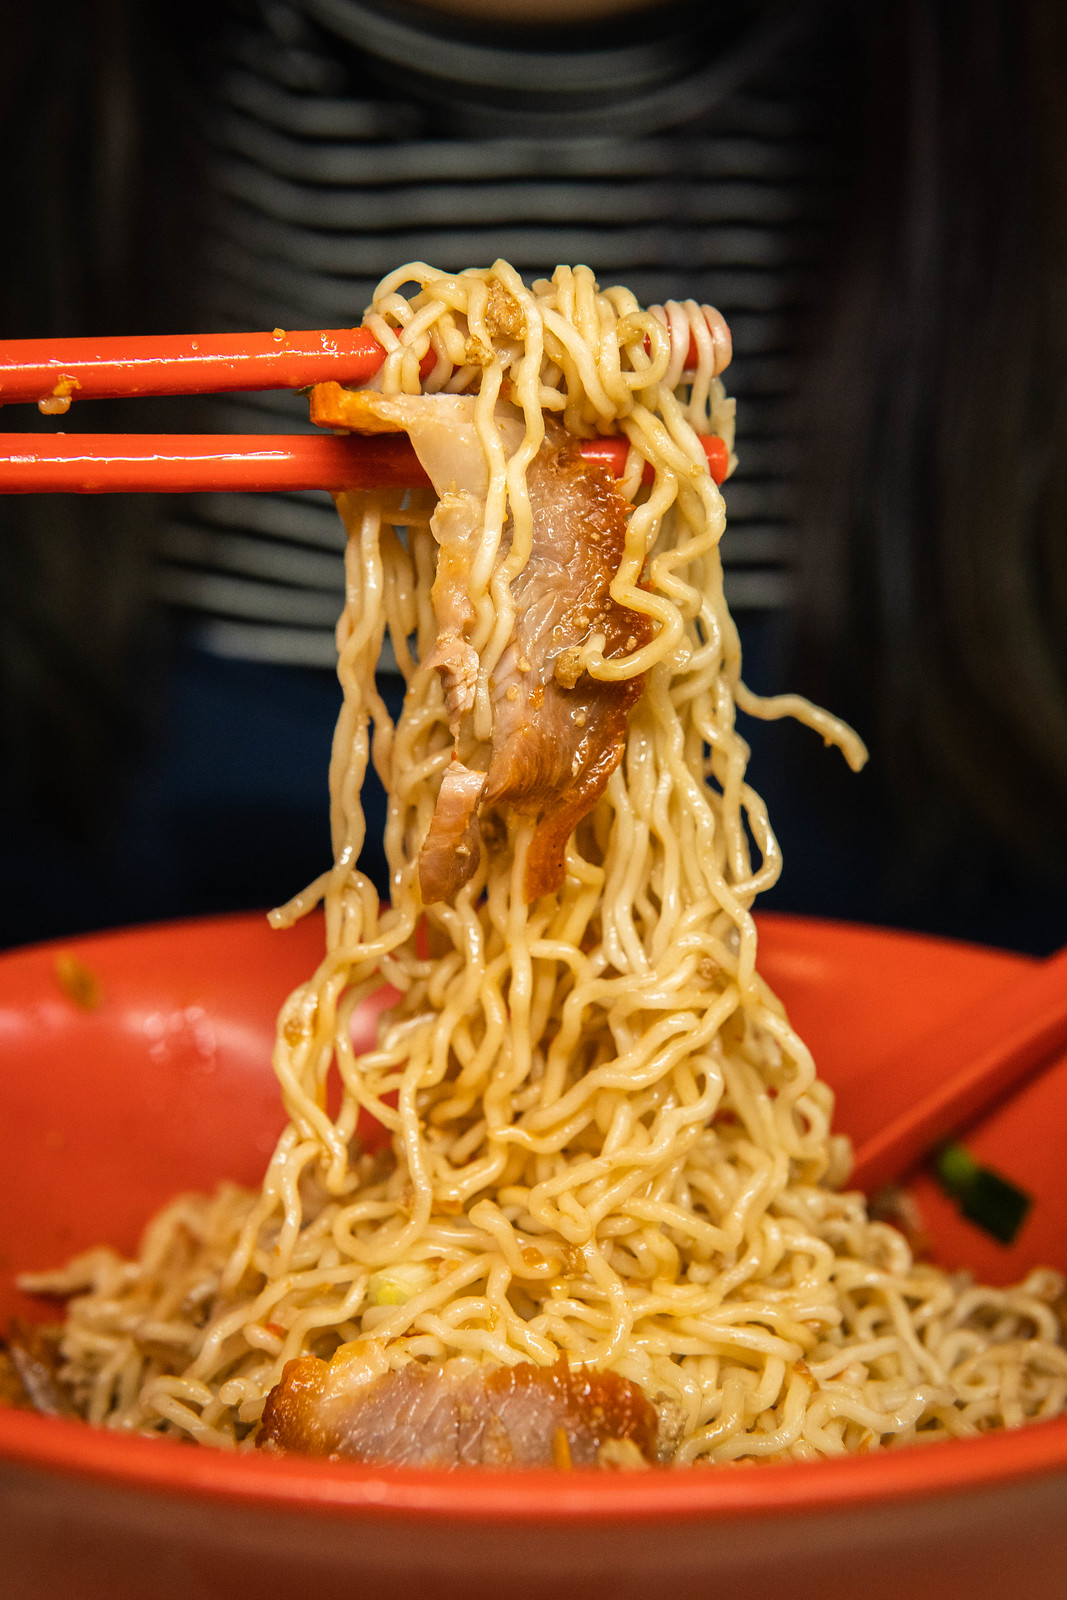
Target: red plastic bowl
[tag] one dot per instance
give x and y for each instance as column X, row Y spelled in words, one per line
column 105, row 1113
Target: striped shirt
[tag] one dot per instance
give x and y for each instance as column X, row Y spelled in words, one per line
column 344, row 141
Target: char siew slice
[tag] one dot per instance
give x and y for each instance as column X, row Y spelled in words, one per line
column 558, row 734
column 455, row 1414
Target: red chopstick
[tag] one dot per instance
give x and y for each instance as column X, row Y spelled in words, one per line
column 162, row 463
column 108, row 369
column 54, row 374
column 936, row 1085
column 35, row 370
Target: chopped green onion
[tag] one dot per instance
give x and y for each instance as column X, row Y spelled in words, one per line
column 992, row 1202
column 395, row 1286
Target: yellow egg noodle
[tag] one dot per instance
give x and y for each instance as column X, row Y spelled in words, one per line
column 606, row 1139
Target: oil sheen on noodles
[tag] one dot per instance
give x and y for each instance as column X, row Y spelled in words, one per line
column 606, row 1141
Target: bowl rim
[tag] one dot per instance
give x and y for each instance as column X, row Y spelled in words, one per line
column 175, row 1469
column 162, row 927
column 292, row 1484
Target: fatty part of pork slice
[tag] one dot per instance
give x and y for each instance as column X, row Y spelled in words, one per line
column 558, row 733
column 452, row 848
column 455, row 1413
column 442, row 430
column 455, row 525
column 441, row 427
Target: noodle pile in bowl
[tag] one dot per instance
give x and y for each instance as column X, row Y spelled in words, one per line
column 607, row 1142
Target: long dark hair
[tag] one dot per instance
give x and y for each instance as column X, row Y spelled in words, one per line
column 934, row 572
column 95, row 141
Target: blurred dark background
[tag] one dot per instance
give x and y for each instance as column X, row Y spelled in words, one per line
column 875, row 195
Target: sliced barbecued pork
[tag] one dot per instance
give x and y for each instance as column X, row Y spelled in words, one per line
column 29, row 1369
column 558, row 734
column 457, row 1413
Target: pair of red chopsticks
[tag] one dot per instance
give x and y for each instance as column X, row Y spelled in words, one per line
column 54, row 374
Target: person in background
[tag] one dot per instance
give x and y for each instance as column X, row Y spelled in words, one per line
column 874, row 195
